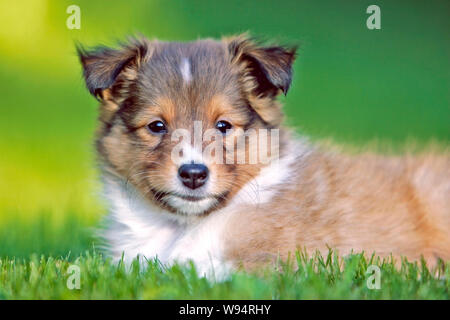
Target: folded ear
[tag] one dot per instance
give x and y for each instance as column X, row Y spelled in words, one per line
column 102, row 65
column 269, row 66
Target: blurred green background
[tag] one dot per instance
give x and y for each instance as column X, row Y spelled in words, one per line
column 351, row 84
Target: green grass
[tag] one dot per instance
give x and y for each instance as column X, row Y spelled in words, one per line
column 350, row 84
column 315, row 278
column 25, row 274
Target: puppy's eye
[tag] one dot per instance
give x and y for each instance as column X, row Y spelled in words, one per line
column 223, row 126
column 157, row 127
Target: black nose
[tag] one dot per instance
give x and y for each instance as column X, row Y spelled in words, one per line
column 193, row 175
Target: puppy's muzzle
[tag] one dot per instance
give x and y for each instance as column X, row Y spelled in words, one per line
column 193, row 175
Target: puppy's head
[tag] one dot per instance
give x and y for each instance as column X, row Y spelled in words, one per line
column 177, row 119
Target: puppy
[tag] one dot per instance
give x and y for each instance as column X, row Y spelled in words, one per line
column 220, row 201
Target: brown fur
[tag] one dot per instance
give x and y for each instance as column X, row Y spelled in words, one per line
column 390, row 205
column 135, row 96
column 386, row 205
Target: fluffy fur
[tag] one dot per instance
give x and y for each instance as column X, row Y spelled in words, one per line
column 246, row 215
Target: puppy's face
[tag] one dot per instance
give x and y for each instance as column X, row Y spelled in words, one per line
column 177, row 120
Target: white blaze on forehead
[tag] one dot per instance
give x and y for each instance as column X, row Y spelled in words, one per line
column 185, row 68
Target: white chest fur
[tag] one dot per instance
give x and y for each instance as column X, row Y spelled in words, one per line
column 138, row 228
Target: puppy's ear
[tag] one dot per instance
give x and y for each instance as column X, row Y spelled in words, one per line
column 269, row 66
column 102, row 65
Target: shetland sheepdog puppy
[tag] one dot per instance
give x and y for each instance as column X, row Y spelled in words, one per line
column 197, row 166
